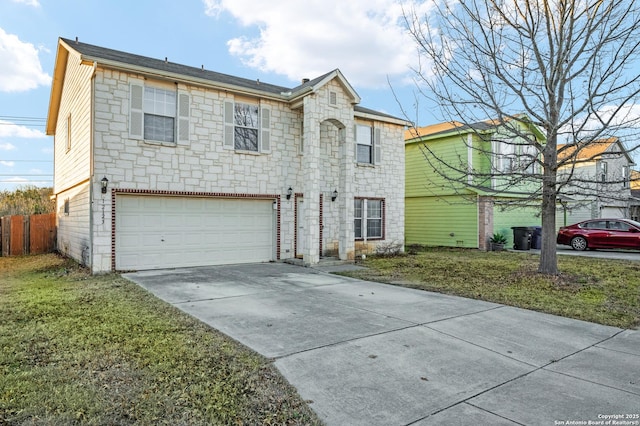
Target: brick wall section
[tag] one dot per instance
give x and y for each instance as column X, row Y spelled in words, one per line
column 485, row 222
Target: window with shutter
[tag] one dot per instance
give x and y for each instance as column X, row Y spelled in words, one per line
column 136, row 115
column 377, row 146
column 183, row 117
column 265, row 124
column 247, row 127
column 364, row 144
column 158, row 114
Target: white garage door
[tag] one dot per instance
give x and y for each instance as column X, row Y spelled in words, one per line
column 612, row 212
column 163, row 232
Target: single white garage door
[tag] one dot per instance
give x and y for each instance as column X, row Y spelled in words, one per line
column 612, row 212
column 155, row 232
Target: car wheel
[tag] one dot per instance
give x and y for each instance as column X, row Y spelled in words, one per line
column 579, row 243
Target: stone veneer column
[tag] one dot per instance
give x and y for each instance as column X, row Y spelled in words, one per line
column 346, row 244
column 310, row 184
column 485, row 222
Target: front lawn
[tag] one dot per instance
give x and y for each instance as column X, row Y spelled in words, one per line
column 597, row 290
column 81, row 349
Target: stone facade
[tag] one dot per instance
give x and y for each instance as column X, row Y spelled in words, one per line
column 312, row 150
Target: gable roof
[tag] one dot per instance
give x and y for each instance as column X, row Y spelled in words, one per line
column 449, row 128
column 591, row 151
column 635, row 180
column 115, row 59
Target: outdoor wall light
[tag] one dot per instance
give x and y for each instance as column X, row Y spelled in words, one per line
column 104, row 183
column 334, row 195
column 289, row 193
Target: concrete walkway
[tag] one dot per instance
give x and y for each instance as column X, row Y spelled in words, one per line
column 365, row 353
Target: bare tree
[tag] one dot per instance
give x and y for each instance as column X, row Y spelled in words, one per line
column 568, row 67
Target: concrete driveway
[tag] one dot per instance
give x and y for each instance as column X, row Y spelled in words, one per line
column 364, row 353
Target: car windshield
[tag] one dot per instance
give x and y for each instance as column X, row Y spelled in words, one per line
column 634, row 223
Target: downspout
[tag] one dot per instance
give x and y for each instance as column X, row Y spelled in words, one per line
column 470, row 158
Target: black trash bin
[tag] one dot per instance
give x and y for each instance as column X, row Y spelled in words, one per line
column 536, row 237
column 522, row 237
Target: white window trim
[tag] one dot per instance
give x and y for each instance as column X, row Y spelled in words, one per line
column 181, row 118
column 375, row 143
column 365, row 219
column 263, row 128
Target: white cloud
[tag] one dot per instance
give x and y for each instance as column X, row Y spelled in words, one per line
column 32, row 3
column 364, row 38
column 20, row 67
column 7, row 163
column 6, row 147
column 9, row 129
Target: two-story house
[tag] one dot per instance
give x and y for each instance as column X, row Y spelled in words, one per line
column 162, row 165
column 595, row 179
column 466, row 182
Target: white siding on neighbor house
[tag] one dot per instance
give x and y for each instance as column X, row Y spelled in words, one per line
column 593, row 198
column 73, row 227
column 72, row 163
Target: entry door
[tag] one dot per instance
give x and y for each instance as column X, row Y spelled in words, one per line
column 300, row 230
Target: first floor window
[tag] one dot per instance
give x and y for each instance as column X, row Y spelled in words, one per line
column 159, row 109
column 368, row 218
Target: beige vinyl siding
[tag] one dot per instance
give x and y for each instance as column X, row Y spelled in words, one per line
column 430, row 221
column 74, row 166
column 72, row 162
column 73, row 228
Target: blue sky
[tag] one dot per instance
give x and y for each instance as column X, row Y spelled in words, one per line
column 279, row 42
column 276, row 41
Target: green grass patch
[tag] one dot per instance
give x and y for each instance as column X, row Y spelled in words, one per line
column 82, row 349
column 598, row 290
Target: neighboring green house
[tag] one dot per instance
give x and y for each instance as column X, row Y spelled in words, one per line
column 466, row 182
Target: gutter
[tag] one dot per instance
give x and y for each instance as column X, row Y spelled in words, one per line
column 181, row 78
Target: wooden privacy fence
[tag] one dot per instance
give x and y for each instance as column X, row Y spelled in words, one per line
column 33, row 234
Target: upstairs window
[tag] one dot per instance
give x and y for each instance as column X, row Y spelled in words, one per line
column 245, row 120
column 247, row 127
column 603, row 171
column 364, row 140
column 367, row 144
column 625, row 176
column 68, row 147
column 158, row 114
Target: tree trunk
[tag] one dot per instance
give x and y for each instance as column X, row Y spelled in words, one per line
column 548, row 256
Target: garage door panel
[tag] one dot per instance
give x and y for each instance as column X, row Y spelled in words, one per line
column 160, row 232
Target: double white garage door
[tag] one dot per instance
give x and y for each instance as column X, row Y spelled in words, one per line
column 155, row 232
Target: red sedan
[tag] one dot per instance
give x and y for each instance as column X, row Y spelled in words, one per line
column 601, row 233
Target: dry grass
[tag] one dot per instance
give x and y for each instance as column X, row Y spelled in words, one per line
column 81, row 349
column 597, row 290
